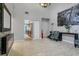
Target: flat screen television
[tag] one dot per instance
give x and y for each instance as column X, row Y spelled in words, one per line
column 69, row 16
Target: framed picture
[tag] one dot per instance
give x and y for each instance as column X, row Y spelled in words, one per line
column 69, row 16
column 75, row 15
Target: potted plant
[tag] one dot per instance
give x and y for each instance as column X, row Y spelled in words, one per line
column 67, row 26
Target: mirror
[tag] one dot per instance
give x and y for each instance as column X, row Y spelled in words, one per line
column 6, row 19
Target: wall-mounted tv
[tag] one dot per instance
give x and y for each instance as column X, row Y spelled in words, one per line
column 69, row 16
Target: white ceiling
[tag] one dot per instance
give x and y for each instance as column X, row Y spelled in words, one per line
column 32, row 6
column 34, row 9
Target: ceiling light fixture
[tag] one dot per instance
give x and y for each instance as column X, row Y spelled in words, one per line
column 45, row 5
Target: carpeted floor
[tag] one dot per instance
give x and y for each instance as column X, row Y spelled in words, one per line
column 43, row 47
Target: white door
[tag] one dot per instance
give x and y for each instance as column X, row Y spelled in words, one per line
column 36, row 29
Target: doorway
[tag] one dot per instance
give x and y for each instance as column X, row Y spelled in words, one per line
column 28, row 29
column 44, row 27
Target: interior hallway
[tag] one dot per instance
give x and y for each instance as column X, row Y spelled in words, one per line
column 43, row 47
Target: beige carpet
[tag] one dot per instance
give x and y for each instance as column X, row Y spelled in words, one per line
column 43, row 47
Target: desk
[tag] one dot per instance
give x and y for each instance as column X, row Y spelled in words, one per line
column 75, row 36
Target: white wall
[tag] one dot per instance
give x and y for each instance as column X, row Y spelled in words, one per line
column 45, row 27
column 18, row 22
column 17, row 25
column 35, row 13
column 58, row 7
column 68, row 38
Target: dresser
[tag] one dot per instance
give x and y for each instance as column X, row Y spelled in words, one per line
column 6, row 42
